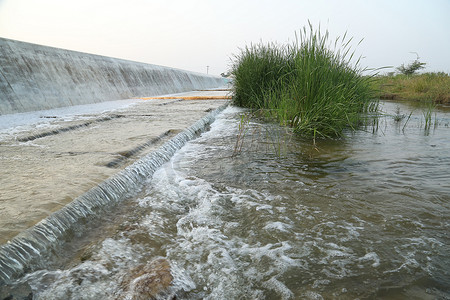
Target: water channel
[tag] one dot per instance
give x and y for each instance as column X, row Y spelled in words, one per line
column 364, row 217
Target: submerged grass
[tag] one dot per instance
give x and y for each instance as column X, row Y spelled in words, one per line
column 305, row 85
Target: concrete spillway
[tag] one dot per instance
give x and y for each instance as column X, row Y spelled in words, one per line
column 35, row 77
column 120, row 143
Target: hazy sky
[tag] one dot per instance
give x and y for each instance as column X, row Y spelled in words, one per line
column 191, row 34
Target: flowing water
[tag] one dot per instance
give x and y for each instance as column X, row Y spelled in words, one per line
column 362, row 217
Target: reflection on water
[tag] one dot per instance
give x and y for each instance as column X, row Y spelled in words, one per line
column 366, row 217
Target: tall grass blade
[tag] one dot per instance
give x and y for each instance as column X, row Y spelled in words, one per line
column 305, row 85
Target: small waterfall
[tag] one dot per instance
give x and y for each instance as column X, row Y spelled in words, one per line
column 29, row 249
column 125, row 155
column 69, row 128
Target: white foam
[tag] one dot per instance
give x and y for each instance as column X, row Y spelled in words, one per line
column 96, row 278
column 310, row 295
column 371, row 256
column 281, row 288
column 88, row 280
column 280, row 226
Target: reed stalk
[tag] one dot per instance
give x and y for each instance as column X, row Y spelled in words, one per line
column 305, row 85
column 427, row 114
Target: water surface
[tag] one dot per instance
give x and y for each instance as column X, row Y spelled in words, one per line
column 363, row 217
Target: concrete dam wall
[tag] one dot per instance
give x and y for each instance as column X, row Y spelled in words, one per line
column 35, row 77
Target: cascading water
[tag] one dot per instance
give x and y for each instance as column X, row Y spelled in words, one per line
column 64, row 129
column 30, row 248
column 342, row 219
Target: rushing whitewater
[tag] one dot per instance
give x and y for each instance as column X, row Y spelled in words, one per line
column 364, row 217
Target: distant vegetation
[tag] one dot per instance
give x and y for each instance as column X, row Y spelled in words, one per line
column 307, row 85
column 407, row 84
column 412, row 68
column 433, row 87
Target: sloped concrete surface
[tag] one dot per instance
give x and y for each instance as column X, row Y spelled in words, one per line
column 46, row 165
column 35, row 77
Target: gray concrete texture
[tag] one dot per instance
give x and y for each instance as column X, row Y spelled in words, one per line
column 44, row 166
column 35, row 77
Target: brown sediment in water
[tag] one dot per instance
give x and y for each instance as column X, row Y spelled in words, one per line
column 147, row 281
column 389, row 97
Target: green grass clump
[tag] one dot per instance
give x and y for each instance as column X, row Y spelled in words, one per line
column 304, row 85
column 433, row 87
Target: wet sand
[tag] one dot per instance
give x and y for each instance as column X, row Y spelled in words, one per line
column 46, row 166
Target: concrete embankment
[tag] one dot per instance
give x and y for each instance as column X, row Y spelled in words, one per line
column 63, row 172
column 35, row 77
column 61, row 154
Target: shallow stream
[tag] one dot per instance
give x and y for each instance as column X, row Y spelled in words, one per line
column 363, row 217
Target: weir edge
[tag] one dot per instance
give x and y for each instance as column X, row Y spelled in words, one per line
column 28, row 249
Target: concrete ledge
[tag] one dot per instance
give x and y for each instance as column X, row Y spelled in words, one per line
column 29, row 249
column 51, row 157
column 35, row 77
